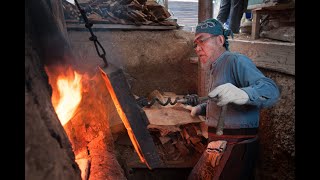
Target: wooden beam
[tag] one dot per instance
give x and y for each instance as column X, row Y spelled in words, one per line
column 81, row 27
column 275, row 56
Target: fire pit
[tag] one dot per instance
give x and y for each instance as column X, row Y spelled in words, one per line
column 97, row 99
column 162, row 137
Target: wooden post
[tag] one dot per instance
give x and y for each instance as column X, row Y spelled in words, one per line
column 255, row 24
column 204, row 10
column 166, row 4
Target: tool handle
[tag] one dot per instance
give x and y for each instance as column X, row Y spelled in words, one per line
column 193, row 100
column 220, row 124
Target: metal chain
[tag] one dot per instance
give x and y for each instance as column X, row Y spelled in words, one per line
column 93, row 37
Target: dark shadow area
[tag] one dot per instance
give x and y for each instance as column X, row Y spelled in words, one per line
column 159, row 174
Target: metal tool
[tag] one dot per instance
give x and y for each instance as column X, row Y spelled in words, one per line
column 220, row 125
column 223, row 112
column 192, row 100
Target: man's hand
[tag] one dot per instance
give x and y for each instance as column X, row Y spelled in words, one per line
column 228, row 93
column 195, row 110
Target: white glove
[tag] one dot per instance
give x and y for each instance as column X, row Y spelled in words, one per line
column 195, row 110
column 228, row 93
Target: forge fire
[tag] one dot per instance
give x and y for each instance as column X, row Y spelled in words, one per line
column 68, row 96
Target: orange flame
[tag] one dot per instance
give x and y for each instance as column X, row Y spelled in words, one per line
column 70, row 89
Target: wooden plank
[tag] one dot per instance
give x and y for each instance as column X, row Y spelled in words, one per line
column 101, row 27
column 272, row 6
column 170, row 116
column 275, row 56
column 132, row 116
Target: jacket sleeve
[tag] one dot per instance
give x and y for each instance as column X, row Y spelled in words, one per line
column 262, row 91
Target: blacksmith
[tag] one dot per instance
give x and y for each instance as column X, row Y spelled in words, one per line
column 239, row 88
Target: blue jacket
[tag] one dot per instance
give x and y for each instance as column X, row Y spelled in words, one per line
column 239, row 70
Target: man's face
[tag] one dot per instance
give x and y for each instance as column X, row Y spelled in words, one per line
column 206, row 46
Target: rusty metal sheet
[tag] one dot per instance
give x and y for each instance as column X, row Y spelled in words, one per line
column 132, row 116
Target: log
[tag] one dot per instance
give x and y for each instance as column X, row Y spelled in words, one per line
column 185, row 134
column 121, row 12
column 104, row 163
column 84, row 165
column 182, row 148
column 195, row 140
column 204, row 129
column 174, row 115
column 89, row 131
column 197, row 129
column 199, row 147
column 158, row 11
column 164, row 130
column 164, row 139
column 281, row 33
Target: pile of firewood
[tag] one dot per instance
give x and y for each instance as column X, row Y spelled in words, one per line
column 136, row 12
column 180, row 144
column 179, row 137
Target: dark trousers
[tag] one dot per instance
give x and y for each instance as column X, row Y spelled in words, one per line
column 233, row 9
column 241, row 163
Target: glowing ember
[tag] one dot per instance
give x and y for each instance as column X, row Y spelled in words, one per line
column 70, row 89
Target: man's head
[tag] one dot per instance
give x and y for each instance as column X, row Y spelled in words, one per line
column 210, row 39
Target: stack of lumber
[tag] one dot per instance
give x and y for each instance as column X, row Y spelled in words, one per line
column 179, row 137
column 135, row 12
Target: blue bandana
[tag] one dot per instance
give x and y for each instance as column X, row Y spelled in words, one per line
column 213, row 26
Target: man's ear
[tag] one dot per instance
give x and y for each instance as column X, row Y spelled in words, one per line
column 221, row 40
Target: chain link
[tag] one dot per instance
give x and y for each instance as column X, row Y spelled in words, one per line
column 93, row 38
